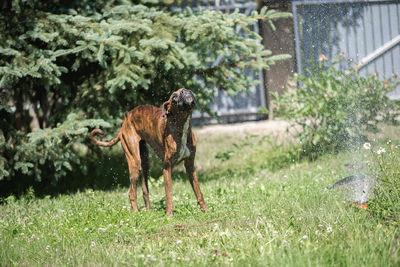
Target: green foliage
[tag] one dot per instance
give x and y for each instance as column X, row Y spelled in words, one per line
column 334, row 109
column 385, row 165
column 99, row 59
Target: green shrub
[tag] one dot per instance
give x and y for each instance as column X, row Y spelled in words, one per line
column 334, row 109
column 386, row 197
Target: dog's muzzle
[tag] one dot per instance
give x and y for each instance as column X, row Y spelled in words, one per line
column 187, row 100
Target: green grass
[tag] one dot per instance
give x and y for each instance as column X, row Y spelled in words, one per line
column 265, row 208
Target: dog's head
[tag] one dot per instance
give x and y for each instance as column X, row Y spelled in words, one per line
column 182, row 100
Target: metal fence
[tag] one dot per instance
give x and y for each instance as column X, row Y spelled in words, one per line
column 368, row 32
column 242, row 106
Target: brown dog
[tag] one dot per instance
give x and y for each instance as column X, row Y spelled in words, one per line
column 168, row 131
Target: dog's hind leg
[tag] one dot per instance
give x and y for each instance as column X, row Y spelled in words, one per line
column 130, row 144
column 144, row 156
column 133, row 177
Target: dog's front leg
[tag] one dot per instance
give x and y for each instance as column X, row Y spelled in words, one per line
column 168, row 188
column 192, row 175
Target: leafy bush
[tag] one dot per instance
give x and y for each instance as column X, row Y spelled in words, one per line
column 333, row 109
column 99, row 59
column 386, row 197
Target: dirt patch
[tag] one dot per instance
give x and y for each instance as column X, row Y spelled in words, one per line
column 265, row 127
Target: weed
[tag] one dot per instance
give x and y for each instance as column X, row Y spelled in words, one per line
column 385, row 204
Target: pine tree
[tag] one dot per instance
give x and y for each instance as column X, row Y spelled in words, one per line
column 69, row 66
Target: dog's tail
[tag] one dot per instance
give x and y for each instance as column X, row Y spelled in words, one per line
column 102, row 143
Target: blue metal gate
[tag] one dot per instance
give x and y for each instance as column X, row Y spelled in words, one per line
column 368, row 32
column 242, row 106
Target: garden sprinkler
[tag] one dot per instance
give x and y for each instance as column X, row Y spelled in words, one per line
column 357, row 188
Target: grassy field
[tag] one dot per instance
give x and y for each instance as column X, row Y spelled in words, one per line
column 265, row 208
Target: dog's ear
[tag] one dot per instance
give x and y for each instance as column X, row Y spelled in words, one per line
column 166, row 107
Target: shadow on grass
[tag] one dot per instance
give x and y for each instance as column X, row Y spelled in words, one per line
column 108, row 170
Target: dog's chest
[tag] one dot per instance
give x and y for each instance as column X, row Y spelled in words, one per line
column 184, row 151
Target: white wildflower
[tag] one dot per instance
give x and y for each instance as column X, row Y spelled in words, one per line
column 93, row 244
column 380, row 151
column 179, row 241
column 222, row 234
column 367, row 146
column 329, row 229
